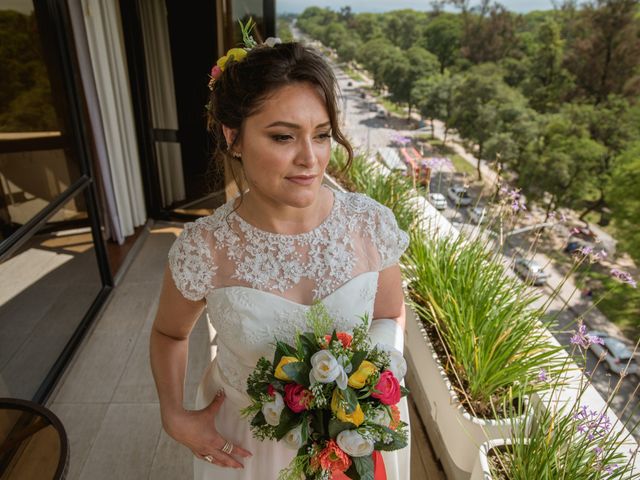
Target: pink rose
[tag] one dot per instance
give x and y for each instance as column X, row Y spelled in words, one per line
column 216, row 71
column 296, row 397
column 389, row 389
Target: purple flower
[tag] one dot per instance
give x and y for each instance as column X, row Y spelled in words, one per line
column 610, row 468
column 624, row 277
column 581, row 339
column 563, row 218
column 601, row 255
column 598, row 451
column 586, row 251
column 542, row 375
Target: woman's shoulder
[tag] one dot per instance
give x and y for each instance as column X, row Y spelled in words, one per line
column 358, row 202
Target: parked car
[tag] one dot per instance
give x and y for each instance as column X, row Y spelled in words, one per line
column 438, row 201
column 350, row 83
column 381, row 114
column 617, row 354
column 530, row 271
column 574, row 244
column 459, row 196
column 373, row 107
column 478, row 215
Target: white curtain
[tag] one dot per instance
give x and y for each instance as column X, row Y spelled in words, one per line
column 157, row 54
column 103, row 175
column 108, row 59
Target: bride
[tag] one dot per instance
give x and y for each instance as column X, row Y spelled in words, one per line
column 260, row 260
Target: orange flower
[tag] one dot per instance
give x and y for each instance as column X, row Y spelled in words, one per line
column 344, row 337
column 395, row 417
column 333, row 458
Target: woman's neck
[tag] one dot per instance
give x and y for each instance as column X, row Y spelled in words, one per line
column 285, row 219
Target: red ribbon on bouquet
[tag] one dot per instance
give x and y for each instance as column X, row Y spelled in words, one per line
column 379, row 470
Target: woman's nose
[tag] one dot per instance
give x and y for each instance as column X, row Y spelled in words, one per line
column 306, row 154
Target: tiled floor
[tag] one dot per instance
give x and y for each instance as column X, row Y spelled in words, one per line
column 107, row 399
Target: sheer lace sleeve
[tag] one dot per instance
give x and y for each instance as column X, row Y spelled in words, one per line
column 390, row 240
column 191, row 262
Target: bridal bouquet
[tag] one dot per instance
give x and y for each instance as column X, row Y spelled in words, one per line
column 332, row 397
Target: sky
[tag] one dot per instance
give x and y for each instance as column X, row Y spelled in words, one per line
column 377, row 6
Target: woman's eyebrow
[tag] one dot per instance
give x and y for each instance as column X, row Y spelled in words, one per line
column 294, row 125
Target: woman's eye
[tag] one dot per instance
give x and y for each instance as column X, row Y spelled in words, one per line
column 325, row 135
column 281, row 138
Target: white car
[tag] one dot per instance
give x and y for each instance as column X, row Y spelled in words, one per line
column 617, row 354
column 478, row 215
column 530, row 271
column 459, row 196
column 438, row 201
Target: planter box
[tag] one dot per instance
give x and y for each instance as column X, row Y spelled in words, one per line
column 456, row 435
column 481, row 470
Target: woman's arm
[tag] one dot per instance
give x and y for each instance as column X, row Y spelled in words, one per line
column 169, row 347
column 387, row 326
column 389, row 301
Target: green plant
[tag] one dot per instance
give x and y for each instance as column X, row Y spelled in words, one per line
column 567, row 440
column 392, row 190
column 492, row 337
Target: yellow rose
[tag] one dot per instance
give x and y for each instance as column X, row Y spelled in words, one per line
column 356, row 417
column 359, row 377
column 279, row 374
column 236, row 54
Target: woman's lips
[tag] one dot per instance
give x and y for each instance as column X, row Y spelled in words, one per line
column 302, row 180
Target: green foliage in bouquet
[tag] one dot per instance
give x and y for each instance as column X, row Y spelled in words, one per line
column 331, row 396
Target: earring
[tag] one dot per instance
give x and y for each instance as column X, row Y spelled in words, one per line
column 236, row 155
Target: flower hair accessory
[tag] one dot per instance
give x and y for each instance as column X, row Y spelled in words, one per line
column 238, row 54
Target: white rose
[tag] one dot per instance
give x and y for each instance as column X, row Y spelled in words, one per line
column 398, row 365
column 381, row 417
column 272, row 410
column 293, row 438
column 354, row 444
column 325, row 368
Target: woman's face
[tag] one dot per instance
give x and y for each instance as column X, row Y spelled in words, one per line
column 289, row 137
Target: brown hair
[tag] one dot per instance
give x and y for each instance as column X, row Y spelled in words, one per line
column 243, row 87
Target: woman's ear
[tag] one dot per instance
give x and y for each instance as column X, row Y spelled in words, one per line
column 230, row 135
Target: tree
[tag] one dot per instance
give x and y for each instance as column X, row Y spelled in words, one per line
column 442, row 37
column 402, row 72
column 475, row 108
column 403, row 27
column 557, row 167
column 604, row 49
column 348, row 49
column 368, row 26
column 434, row 96
column 609, row 124
column 548, row 82
column 625, row 201
column 374, row 55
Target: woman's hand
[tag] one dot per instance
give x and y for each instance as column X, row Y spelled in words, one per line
column 197, row 430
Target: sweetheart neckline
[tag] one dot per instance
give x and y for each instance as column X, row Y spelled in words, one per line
column 291, row 301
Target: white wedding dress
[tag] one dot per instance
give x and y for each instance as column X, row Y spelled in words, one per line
column 248, row 277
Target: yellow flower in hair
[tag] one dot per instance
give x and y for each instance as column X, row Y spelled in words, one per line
column 236, row 54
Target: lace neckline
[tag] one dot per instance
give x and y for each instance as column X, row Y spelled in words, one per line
column 324, row 223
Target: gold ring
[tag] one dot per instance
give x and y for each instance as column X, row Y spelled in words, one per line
column 228, row 447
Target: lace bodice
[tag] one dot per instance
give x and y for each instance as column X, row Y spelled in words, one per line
column 222, row 250
column 249, row 276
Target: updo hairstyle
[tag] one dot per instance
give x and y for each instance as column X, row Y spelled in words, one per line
column 243, row 87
